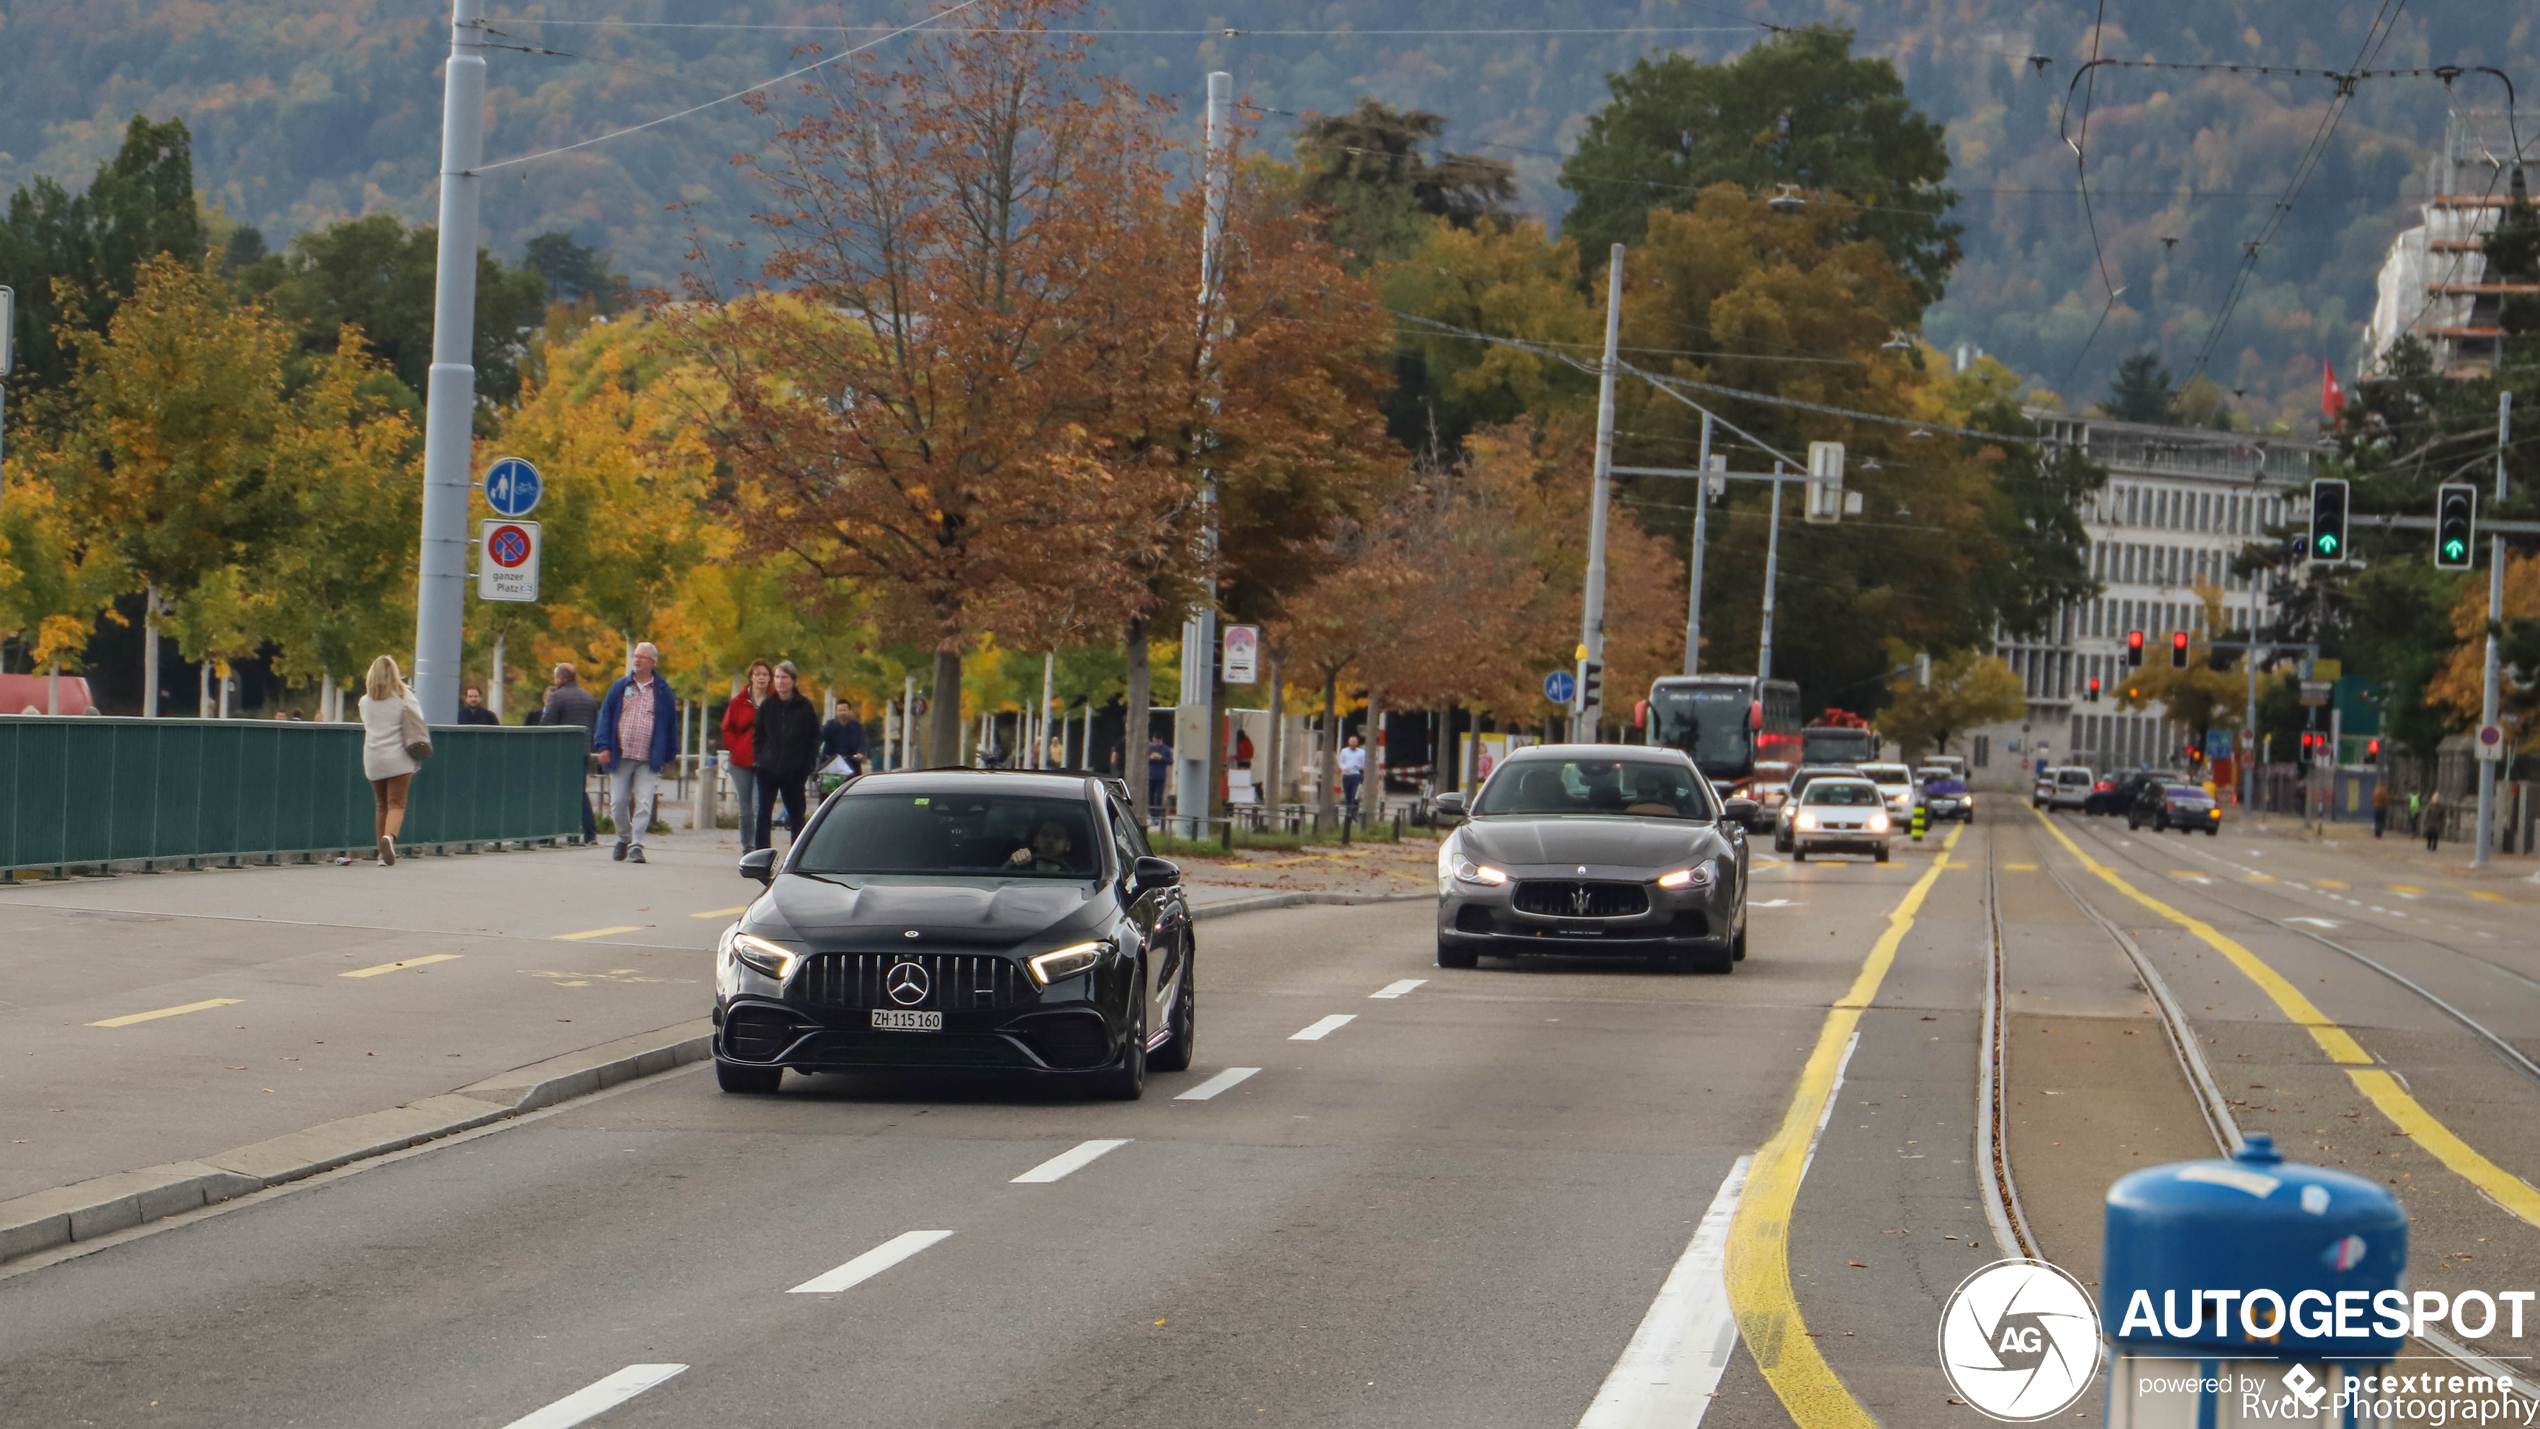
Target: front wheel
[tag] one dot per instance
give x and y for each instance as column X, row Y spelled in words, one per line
column 1781, row 843
column 1799, row 855
column 2213, row 831
column 747, row 1081
column 1881, row 855
column 1737, row 946
column 1450, row 956
column 1128, row 1081
column 1182, row 1023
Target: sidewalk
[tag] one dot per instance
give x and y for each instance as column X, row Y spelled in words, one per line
column 2396, row 848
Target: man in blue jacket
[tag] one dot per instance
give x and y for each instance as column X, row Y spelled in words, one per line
column 637, row 727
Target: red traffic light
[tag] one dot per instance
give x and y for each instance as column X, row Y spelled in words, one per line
column 2134, row 647
column 2094, row 689
column 2178, row 649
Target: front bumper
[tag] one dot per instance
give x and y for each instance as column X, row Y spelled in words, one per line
column 2193, row 819
column 994, row 1018
column 1673, row 921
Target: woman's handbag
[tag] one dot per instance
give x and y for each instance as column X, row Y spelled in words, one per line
column 418, row 735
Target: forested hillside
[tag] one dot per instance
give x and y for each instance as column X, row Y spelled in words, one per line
column 307, row 111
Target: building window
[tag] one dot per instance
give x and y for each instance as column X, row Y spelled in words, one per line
column 1983, row 750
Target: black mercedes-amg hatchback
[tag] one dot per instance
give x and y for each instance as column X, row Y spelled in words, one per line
column 955, row 918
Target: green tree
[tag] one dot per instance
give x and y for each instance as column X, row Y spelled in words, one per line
column 74, row 257
column 1798, row 109
column 1365, row 171
column 2142, row 390
column 1967, row 688
column 376, row 274
column 576, row 271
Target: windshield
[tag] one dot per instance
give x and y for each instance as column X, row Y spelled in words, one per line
column 1887, row 773
column 1630, row 787
column 1708, row 722
column 2073, row 777
column 1847, row 794
column 1838, row 746
column 977, row 835
column 1943, row 784
column 2188, row 793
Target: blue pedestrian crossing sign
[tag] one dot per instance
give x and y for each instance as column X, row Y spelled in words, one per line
column 1560, row 686
column 512, row 487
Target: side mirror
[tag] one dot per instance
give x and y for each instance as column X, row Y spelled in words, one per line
column 1150, row 874
column 1448, row 805
column 1740, row 811
column 759, row 863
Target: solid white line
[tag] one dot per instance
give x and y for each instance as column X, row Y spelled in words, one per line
column 1216, row 1084
column 872, row 1263
column 1668, row 1371
column 1076, row 1158
column 1324, row 1028
column 1397, row 989
column 598, row 1399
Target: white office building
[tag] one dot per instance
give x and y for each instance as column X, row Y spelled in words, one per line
column 2179, row 503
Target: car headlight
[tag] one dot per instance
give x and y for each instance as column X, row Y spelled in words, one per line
column 1878, row 823
column 1471, row 872
column 1807, row 820
column 1698, row 876
column 759, row 955
column 1065, row 962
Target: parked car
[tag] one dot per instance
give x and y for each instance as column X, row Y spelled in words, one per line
column 2072, row 786
column 1948, row 798
column 2167, row 805
column 1847, row 815
column 2042, row 790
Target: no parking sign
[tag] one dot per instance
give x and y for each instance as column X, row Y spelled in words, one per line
column 507, row 560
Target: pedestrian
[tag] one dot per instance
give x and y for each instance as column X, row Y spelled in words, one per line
column 784, row 740
column 1353, row 764
column 395, row 742
column 1159, row 764
column 738, row 718
column 2433, row 821
column 472, row 708
column 843, row 738
column 2380, row 806
column 637, row 721
column 2416, row 807
column 569, row 703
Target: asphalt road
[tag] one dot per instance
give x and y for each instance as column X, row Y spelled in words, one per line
column 1459, row 1206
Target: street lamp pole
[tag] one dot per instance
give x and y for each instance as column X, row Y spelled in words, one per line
column 1195, row 732
column 2495, row 621
column 450, row 403
column 1588, row 703
column 1701, row 539
column 1772, row 568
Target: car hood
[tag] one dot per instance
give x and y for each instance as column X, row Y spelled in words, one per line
column 829, row 912
column 1597, row 843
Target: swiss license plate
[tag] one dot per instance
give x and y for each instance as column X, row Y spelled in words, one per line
column 1580, row 930
column 892, row 1020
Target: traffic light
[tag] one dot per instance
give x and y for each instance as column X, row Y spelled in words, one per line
column 2328, row 520
column 2178, row 649
column 2455, row 524
column 2133, row 649
column 2372, row 752
column 1591, row 685
column 2093, row 696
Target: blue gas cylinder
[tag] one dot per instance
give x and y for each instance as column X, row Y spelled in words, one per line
column 2253, row 1257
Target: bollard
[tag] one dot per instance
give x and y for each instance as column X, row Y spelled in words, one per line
column 1921, row 820
column 2243, row 1290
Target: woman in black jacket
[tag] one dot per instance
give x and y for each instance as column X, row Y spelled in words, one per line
column 784, row 742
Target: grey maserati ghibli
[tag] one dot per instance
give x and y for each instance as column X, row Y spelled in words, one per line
column 1595, row 850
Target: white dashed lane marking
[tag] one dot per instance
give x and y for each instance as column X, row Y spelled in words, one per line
column 872, row 1263
column 1397, row 989
column 1073, row 1159
column 1324, row 1028
column 594, row 1400
column 1216, row 1084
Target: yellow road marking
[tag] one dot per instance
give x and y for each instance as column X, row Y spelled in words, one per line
column 167, row 1012
column 2489, row 897
column 2408, row 888
column 2261, row 878
column 2019, row 868
column 2328, row 883
column 407, row 963
column 1760, row 1292
column 598, row 932
column 2404, row 1111
column 722, row 912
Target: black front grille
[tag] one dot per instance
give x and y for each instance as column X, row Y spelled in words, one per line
column 1566, row 899
column 1067, row 1040
column 756, row 1034
column 955, row 982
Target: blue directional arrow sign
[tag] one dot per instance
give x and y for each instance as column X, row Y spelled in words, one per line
column 1560, row 687
column 512, row 487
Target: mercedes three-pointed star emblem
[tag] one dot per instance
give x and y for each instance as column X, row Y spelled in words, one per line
column 906, row 983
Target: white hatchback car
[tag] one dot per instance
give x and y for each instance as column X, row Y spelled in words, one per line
column 1842, row 816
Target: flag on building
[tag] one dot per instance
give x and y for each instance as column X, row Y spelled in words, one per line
column 2332, row 396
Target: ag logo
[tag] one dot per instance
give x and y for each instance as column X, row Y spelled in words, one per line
column 2019, row 1340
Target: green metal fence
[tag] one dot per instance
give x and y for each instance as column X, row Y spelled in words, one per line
column 92, row 791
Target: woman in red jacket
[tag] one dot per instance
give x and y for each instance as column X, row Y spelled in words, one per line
column 739, row 718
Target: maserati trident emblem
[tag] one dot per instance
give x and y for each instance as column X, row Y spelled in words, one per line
column 1583, row 868
column 906, row 983
column 1580, row 899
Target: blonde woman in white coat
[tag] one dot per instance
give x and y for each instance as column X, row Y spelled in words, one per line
column 385, row 762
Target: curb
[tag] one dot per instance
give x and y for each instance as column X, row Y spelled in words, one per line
column 1201, row 912
column 85, row 1210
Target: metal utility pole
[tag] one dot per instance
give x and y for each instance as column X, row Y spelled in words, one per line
column 1041, row 717
column 1701, row 539
column 2495, row 622
column 2249, row 719
column 1772, row 568
column 1195, row 735
column 1587, row 704
column 450, row 401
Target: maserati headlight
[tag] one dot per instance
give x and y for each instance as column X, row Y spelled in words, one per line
column 1483, row 873
column 1065, row 962
column 1698, row 876
column 759, row 955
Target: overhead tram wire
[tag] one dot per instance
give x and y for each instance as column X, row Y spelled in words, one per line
column 820, row 63
column 1214, row 32
column 2086, row 77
